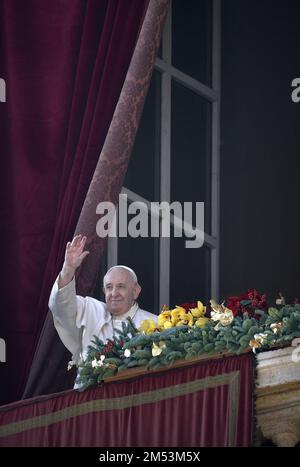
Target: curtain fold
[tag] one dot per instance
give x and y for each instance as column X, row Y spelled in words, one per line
column 64, row 65
column 207, row 404
column 106, row 185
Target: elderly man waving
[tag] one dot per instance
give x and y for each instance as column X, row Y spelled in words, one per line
column 77, row 319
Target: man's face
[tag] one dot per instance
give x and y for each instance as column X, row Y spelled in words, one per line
column 120, row 291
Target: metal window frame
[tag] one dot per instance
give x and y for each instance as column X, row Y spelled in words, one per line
column 213, row 95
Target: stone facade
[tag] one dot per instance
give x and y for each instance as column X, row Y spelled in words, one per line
column 278, row 396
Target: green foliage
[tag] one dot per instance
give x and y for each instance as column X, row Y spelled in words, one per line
column 184, row 342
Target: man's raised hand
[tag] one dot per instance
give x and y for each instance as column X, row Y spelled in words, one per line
column 73, row 258
column 74, row 252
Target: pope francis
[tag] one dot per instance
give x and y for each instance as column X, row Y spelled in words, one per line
column 77, row 319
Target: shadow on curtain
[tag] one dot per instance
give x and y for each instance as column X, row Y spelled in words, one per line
column 106, row 185
column 64, row 65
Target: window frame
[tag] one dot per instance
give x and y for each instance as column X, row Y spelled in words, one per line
column 213, row 95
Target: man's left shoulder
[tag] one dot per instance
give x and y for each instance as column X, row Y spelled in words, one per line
column 143, row 314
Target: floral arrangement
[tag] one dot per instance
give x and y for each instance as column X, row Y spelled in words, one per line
column 185, row 315
column 251, row 302
column 237, row 325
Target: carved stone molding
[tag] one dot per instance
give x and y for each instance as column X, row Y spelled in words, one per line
column 278, row 396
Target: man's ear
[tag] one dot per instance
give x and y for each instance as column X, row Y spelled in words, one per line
column 137, row 291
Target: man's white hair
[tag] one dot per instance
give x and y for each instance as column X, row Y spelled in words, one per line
column 120, row 266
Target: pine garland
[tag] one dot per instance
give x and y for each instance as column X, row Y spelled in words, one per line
column 131, row 348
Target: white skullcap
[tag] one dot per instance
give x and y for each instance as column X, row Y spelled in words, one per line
column 131, row 271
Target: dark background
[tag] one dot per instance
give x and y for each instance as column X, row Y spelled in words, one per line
column 260, row 140
column 259, row 152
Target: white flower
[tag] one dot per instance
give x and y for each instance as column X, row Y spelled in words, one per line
column 127, row 353
column 276, row 327
column 157, row 349
column 97, row 363
column 260, row 337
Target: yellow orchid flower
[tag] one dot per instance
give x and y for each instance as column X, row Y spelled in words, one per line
column 175, row 314
column 199, row 311
column 148, row 326
column 163, row 317
column 201, row 322
column 185, row 319
column 167, row 325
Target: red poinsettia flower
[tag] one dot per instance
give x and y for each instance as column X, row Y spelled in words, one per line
column 234, row 303
column 251, row 302
column 257, row 301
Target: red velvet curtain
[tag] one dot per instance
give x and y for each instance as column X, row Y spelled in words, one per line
column 207, row 404
column 106, row 185
column 64, row 65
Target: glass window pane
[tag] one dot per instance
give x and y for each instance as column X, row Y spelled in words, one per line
column 143, row 171
column 141, row 254
column 191, row 149
column 191, row 38
column 189, row 273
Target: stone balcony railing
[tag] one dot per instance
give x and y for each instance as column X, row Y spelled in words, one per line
column 278, row 396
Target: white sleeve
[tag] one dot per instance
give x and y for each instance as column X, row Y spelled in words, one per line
column 68, row 310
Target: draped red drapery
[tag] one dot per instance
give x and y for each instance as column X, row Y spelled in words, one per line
column 202, row 405
column 106, row 185
column 64, row 64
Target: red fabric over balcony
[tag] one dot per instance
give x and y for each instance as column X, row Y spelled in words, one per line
column 204, row 404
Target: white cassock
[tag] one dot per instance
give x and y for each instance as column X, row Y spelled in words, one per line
column 77, row 319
